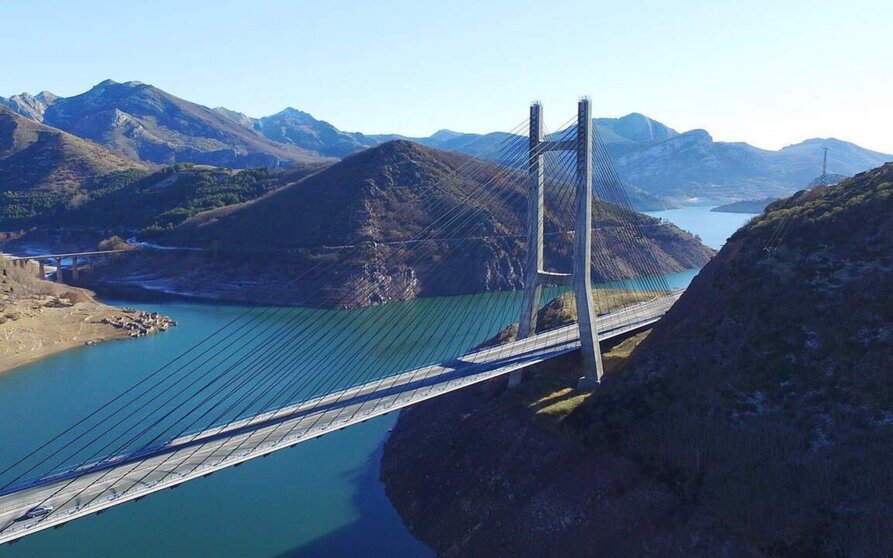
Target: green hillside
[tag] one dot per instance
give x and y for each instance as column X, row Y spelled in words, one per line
column 44, row 170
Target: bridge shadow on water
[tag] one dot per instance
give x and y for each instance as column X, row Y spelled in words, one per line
column 377, row 531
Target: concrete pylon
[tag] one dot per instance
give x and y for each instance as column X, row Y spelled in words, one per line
column 41, row 269
column 59, row 270
column 535, row 274
column 533, row 288
column 592, row 357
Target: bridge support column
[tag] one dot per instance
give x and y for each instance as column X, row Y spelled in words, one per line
column 580, row 279
column 533, row 288
column 74, row 269
column 41, row 271
column 582, row 283
column 59, row 270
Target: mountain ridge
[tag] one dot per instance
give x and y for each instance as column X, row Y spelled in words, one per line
column 147, row 123
column 649, row 156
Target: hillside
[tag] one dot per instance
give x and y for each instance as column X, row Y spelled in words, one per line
column 167, row 198
column 348, row 229
column 144, row 122
column 744, row 206
column 831, row 178
column 754, row 420
column 43, row 169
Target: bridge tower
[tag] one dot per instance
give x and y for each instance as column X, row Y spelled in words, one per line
column 580, row 279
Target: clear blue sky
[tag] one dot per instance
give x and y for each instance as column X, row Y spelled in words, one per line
column 767, row 72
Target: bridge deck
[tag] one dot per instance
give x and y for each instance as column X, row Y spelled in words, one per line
column 69, row 255
column 99, row 486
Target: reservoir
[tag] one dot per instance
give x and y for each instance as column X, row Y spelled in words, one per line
column 322, row 498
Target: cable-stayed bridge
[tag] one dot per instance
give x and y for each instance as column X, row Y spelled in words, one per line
column 271, row 379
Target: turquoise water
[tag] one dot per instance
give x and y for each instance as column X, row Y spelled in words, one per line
column 713, row 228
column 322, row 498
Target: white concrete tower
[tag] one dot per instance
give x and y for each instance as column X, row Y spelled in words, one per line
column 535, row 274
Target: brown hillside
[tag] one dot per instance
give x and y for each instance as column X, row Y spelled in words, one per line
column 351, row 231
column 755, row 420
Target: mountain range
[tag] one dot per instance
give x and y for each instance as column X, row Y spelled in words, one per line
column 145, row 123
column 656, row 162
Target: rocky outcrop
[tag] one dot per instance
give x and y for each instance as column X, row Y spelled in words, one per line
column 144, row 122
column 30, row 106
column 137, row 323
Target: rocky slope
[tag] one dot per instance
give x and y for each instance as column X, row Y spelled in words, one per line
column 295, row 127
column 30, row 106
column 144, row 122
column 755, row 420
column 348, row 235
column 42, row 168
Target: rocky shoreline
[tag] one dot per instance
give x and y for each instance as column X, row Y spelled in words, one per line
column 138, row 323
column 39, row 318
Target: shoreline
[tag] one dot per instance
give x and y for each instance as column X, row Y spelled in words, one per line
column 47, row 331
column 39, row 318
column 16, row 358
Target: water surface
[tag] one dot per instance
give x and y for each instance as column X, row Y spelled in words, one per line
column 714, row 228
column 322, row 498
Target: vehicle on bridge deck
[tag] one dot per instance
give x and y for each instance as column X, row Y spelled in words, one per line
column 37, row 511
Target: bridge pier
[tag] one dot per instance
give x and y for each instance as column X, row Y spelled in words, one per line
column 80, row 262
column 533, row 288
column 580, row 279
column 592, row 358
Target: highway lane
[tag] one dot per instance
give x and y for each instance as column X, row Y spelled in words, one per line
column 123, row 478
